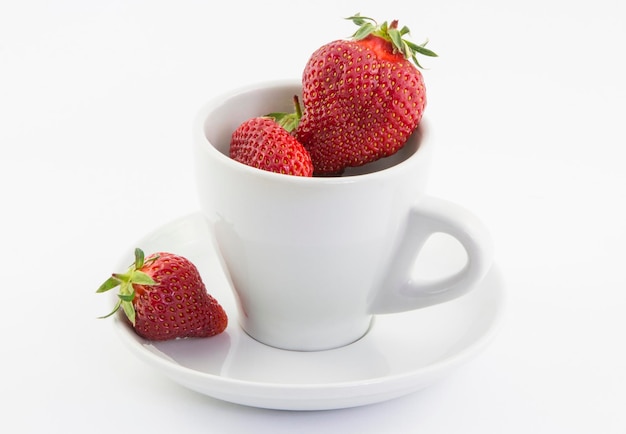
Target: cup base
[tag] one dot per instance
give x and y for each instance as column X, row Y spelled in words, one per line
column 311, row 340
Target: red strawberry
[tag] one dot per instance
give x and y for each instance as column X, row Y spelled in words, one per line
column 263, row 143
column 362, row 97
column 164, row 297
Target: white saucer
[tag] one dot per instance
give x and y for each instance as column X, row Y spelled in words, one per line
column 401, row 354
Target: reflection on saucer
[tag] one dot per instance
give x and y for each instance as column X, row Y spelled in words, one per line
column 253, row 361
column 200, row 354
column 238, row 356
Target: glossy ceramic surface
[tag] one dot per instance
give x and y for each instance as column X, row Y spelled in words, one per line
column 312, row 259
column 402, row 353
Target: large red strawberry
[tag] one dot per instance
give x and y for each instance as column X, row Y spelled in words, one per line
column 163, row 297
column 362, row 97
column 263, row 142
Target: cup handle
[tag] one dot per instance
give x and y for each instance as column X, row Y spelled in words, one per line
column 400, row 292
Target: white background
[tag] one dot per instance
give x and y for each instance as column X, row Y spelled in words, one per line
column 527, row 101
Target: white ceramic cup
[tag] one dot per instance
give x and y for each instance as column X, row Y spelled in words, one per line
column 312, row 260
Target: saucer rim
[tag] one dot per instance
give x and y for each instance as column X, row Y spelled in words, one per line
column 345, row 394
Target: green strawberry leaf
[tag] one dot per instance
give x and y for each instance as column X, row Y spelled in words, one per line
column 360, row 20
column 141, row 278
column 289, row 121
column 364, row 31
column 404, row 31
column 421, row 49
column 110, row 283
column 115, row 309
column 396, row 39
column 126, row 297
column 390, row 32
column 125, row 281
column 129, row 310
column 139, row 258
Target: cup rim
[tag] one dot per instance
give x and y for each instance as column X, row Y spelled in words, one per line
column 423, row 129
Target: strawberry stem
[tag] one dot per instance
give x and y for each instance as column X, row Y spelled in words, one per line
column 296, row 105
column 289, row 121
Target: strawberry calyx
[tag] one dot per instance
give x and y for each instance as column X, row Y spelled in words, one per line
column 125, row 281
column 289, row 121
column 389, row 32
